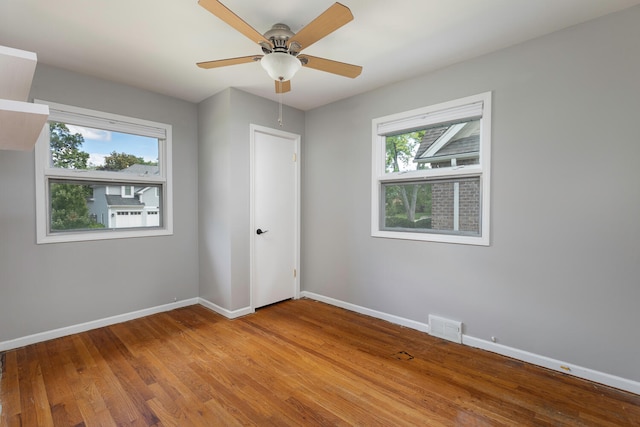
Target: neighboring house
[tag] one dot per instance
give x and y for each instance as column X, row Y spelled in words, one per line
column 125, row 206
column 450, row 145
column 455, row 204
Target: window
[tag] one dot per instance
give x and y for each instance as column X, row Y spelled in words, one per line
column 97, row 172
column 431, row 170
column 127, row 191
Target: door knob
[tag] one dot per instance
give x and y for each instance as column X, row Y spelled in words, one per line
column 260, row 231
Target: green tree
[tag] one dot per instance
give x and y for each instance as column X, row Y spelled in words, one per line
column 68, row 201
column 69, row 207
column 119, row 161
column 65, row 147
column 401, row 150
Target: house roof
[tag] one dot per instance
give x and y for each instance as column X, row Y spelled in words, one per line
column 461, row 142
column 470, row 144
column 142, row 169
column 116, row 200
column 430, row 136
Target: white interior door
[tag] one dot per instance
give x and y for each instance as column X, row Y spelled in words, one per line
column 275, row 215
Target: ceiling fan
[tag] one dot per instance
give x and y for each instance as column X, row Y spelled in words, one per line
column 282, row 47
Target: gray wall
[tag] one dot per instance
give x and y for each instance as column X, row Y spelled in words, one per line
column 562, row 275
column 44, row 287
column 560, row 278
column 224, row 198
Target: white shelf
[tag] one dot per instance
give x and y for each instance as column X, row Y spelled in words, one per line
column 21, row 124
column 16, row 73
column 20, row 121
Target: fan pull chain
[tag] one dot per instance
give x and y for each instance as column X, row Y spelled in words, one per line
column 280, row 102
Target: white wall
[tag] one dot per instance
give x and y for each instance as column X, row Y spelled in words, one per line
column 562, row 275
column 224, row 122
column 46, row 287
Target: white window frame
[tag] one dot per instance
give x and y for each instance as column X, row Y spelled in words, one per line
column 420, row 118
column 124, row 194
column 107, row 121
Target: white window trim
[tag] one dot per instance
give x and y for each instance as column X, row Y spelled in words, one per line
column 468, row 107
column 98, row 119
column 124, row 194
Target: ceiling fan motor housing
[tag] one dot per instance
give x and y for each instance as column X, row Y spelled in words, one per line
column 279, row 35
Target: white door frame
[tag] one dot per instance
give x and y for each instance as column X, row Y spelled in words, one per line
column 296, row 138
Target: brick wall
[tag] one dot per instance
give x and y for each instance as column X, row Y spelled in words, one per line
column 442, row 196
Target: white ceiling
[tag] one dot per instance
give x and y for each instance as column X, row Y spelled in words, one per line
column 154, row 44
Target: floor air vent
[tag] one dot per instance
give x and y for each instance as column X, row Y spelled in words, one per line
column 445, row 329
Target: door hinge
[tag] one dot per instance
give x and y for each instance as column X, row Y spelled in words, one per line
column 295, row 273
column 295, row 157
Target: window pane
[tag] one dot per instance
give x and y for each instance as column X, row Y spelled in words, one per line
column 447, row 206
column 94, row 205
column 447, row 145
column 81, row 147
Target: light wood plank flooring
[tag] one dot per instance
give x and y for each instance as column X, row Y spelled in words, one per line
column 296, row 363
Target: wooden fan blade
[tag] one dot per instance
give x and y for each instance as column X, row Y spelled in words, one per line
column 226, row 62
column 222, row 12
column 329, row 21
column 283, row 87
column 335, row 67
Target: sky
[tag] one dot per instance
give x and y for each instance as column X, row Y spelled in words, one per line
column 100, row 143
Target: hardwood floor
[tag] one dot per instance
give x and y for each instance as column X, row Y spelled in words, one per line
column 295, row 363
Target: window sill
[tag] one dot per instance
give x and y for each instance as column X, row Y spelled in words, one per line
column 84, row 236
column 429, row 237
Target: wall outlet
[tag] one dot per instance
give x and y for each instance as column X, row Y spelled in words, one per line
column 445, row 328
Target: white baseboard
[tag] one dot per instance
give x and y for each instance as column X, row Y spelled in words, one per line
column 535, row 359
column 367, row 311
column 555, row 365
column 94, row 324
column 229, row 314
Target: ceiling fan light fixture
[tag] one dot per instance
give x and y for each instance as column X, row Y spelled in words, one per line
column 280, row 66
